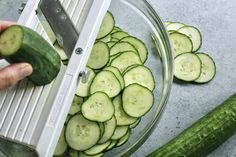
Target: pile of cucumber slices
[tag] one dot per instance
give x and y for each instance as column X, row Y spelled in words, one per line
column 190, row 65
column 118, row 92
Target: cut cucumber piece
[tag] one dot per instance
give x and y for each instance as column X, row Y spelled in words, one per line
column 122, row 47
column 68, row 118
column 98, row 107
column 106, row 38
column 137, row 100
column 208, row 69
column 139, row 45
column 181, row 43
column 119, row 132
column 81, row 154
column 118, row 75
column 22, row 44
column 194, row 34
column 140, row 75
column 119, row 35
column 115, row 39
column 61, row 144
column 123, row 139
column 60, row 51
column 83, row 88
column 107, row 26
column 205, row 135
column 125, row 59
column 99, row 56
column 102, row 128
column 98, row 148
column 109, row 129
column 130, row 67
column 135, row 123
column 121, row 117
column 112, row 144
column 106, row 82
column 111, row 43
column 175, row 26
column 76, row 105
column 73, row 153
column 81, row 134
column 187, row 67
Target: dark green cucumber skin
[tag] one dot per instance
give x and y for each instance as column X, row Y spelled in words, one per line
column 36, row 51
column 205, row 135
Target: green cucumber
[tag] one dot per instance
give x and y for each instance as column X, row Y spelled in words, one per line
column 122, row 46
column 117, row 73
column 139, row 45
column 208, row 68
column 181, row 43
column 107, row 26
column 81, row 134
column 22, row 44
column 201, row 138
column 174, row 26
column 76, row 105
column 119, row 35
column 121, row 117
column 98, row 107
column 123, row 139
column 187, row 67
column 98, row 148
column 61, row 144
column 99, row 56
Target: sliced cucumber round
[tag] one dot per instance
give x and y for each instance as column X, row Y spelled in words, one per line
column 121, row 117
column 61, row 144
column 119, row 35
column 98, row 148
column 82, row 154
column 98, row 107
column 73, row 153
column 135, row 123
column 111, row 43
column 118, row 75
column 208, row 69
column 139, row 45
column 119, row 132
column 141, row 75
column 60, row 51
column 81, row 134
column 109, row 129
column 99, row 56
column 123, row 139
column 112, row 144
column 175, row 26
column 194, row 34
column 137, row 100
column 106, row 38
column 83, row 88
column 76, row 105
column 107, row 26
column 181, row 43
column 187, row 67
column 107, row 82
column 121, row 47
column 124, row 60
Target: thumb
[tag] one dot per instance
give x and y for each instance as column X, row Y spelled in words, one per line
column 11, row 74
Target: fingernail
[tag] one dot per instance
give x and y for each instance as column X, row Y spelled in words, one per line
column 25, row 70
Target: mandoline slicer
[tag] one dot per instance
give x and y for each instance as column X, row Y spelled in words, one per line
column 32, row 117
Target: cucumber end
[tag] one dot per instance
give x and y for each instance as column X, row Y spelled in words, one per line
column 11, row 40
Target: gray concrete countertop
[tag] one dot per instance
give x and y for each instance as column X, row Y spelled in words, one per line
column 187, row 103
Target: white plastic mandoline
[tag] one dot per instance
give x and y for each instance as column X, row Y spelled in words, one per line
column 34, row 116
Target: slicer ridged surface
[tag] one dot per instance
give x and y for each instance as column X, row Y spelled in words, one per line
column 24, row 108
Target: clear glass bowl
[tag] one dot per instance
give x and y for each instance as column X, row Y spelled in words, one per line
column 139, row 19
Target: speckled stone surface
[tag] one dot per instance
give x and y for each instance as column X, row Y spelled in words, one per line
column 217, row 21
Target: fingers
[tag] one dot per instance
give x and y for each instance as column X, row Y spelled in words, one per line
column 5, row 24
column 10, row 75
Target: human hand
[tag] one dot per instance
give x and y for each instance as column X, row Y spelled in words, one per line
column 11, row 74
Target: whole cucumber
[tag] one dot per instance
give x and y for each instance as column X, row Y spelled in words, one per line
column 205, row 135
